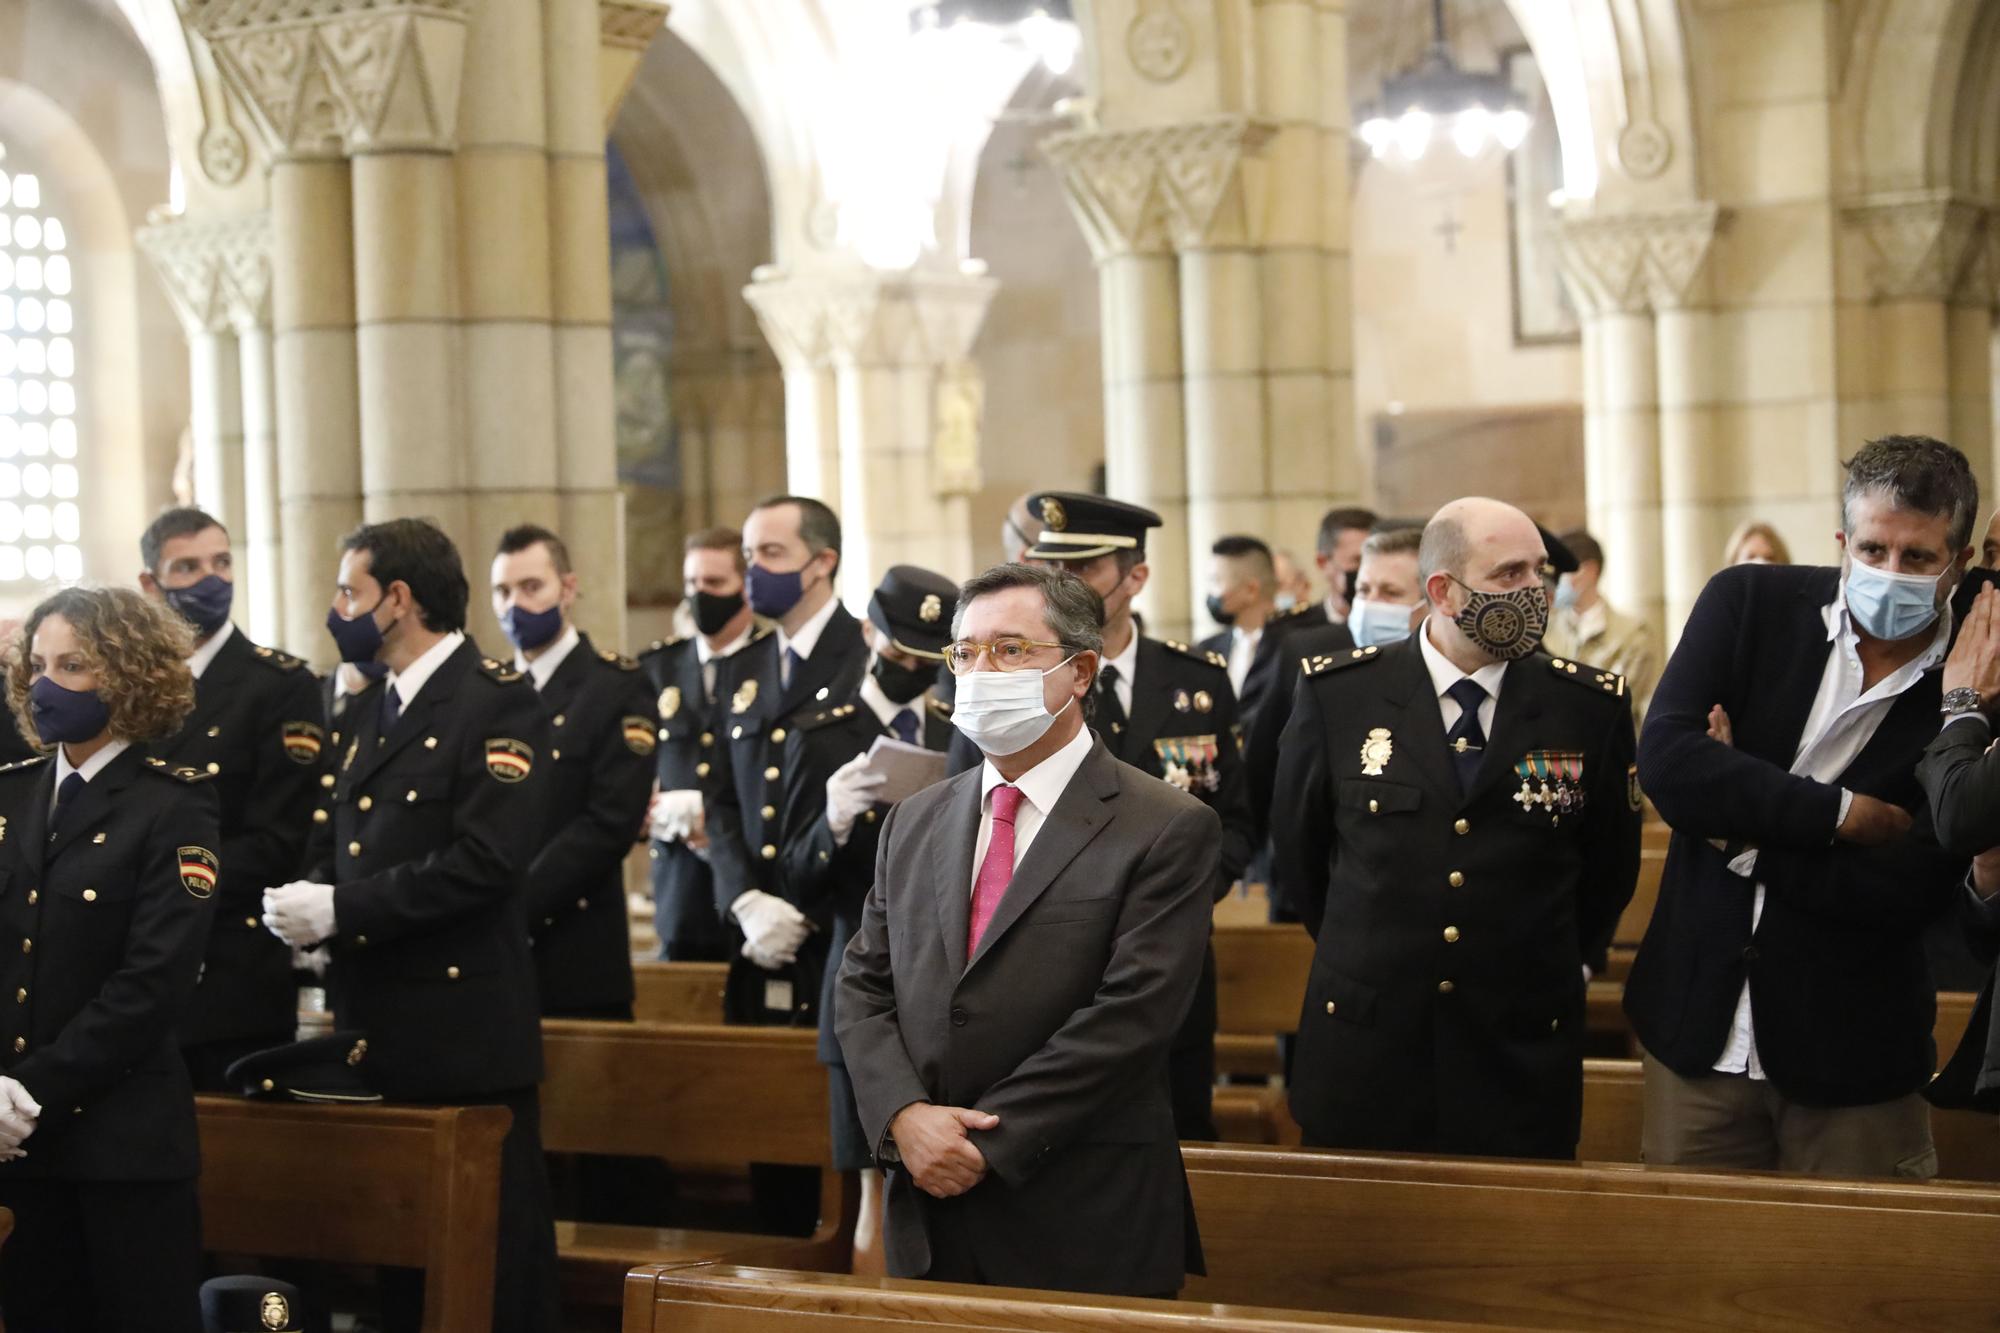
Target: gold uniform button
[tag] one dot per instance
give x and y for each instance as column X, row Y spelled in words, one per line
column 701, row 770
column 582, row 904
column 319, row 816
column 452, row 973
column 267, row 1085
column 20, row 1044
column 250, row 921
column 1451, row 934
column 770, row 853
column 778, row 734
column 559, row 719
column 1330, row 1006
column 214, row 767
column 769, row 812
column 1555, row 1025
column 360, row 939
column 27, row 946
column 354, row 849
column 326, row 779
column 771, row 773
column 34, row 896
column 868, row 816
column 366, row 803
column 1461, row 828
column 663, row 733
column 21, row 995
column 1456, row 880
column 1446, row 988
column 1374, row 807
column 736, row 733
column 410, row 795
column 430, row 742
column 555, row 754
column 213, row 732
column 90, row 895
column 707, row 738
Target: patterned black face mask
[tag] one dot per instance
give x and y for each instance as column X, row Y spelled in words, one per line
column 1506, row 625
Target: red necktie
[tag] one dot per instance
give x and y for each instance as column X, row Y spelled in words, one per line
column 996, row 869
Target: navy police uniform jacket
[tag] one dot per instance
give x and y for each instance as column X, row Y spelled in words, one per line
column 1444, row 1011
column 428, row 835
column 102, row 929
column 258, row 728
column 601, row 743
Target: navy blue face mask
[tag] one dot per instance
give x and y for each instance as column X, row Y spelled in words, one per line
column 529, row 630
column 358, row 639
column 204, row 605
column 371, row 670
column 770, row 594
column 65, row 717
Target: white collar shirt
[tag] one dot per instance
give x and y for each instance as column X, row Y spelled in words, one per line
column 1041, row 787
column 1844, row 718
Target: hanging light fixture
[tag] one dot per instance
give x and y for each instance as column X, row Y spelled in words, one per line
column 1045, row 29
column 1437, row 97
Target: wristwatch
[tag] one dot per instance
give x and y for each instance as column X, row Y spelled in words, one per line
column 1964, row 699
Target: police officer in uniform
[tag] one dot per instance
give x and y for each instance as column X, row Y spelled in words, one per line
column 816, row 657
column 416, row 879
column 1166, row 708
column 257, row 726
column 690, row 679
column 601, row 742
column 1461, row 816
column 831, row 815
column 109, row 874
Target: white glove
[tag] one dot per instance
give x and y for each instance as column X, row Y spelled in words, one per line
column 773, row 929
column 300, row 913
column 677, row 816
column 851, row 790
column 309, row 960
column 18, row 1112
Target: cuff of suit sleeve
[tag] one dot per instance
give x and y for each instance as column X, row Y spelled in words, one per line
column 1986, row 911
column 1846, row 804
column 1973, row 715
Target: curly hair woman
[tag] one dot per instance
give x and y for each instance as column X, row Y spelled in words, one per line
column 106, row 880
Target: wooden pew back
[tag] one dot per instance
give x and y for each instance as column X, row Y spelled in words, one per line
column 678, row 992
column 410, row 1186
column 719, row 1298
column 1562, row 1246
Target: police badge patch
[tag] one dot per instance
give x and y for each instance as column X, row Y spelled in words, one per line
column 199, row 870
column 670, row 702
column 1633, row 796
column 1376, row 752
column 509, row 760
column 745, row 697
column 638, row 734
column 302, row 742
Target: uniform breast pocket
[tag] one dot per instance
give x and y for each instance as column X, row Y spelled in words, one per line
column 1375, row 797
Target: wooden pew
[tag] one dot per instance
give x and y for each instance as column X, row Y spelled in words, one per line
column 1604, row 1015
column 722, row 1298
column 1260, row 982
column 1563, row 1246
column 698, row 1096
column 409, row 1186
column 678, row 992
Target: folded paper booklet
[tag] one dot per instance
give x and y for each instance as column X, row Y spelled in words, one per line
column 906, row 769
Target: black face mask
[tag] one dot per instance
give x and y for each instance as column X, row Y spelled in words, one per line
column 1968, row 588
column 1347, row 582
column 902, row 683
column 1217, row 613
column 714, row 610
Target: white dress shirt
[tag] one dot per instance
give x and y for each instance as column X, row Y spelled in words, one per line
column 807, row 638
column 1842, row 722
column 206, row 653
column 708, row 656
column 1445, row 674
column 543, row 667
column 1242, row 652
column 1041, row 787
column 1127, row 663
column 406, row 683
column 90, row 768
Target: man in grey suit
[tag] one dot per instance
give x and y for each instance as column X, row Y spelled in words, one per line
column 1031, row 943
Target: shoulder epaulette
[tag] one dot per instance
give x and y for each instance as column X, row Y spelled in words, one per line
column 1321, row 663
column 826, row 717
column 29, row 762
column 1279, row 617
column 1202, row 655
column 619, row 660
column 494, row 669
column 180, row 771
column 1590, row 677
column 758, row 633
column 938, row 706
column 279, row 658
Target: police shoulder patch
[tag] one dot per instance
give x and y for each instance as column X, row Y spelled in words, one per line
column 825, row 717
column 303, row 741
column 1321, row 663
column 639, row 733
column 937, row 707
column 619, row 660
column 1590, row 677
column 494, row 669
column 509, row 760
column 34, row 759
column 179, row 771
column 199, row 871
column 1201, row 655
column 279, row 658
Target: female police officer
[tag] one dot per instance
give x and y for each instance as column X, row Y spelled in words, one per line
column 106, row 875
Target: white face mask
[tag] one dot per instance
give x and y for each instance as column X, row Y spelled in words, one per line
column 1002, row 712
column 1374, row 624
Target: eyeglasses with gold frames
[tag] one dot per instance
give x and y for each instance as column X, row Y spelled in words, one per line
column 1008, row 654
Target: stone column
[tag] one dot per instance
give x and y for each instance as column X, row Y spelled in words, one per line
column 261, row 547
column 794, row 318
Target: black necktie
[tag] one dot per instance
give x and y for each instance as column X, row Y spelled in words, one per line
column 1110, row 713
column 66, row 795
column 1466, row 738
column 792, row 664
column 392, row 708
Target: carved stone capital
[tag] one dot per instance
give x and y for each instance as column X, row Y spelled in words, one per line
column 1924, row 245
column 1632, row 262
column 625, row 29
column 327, row 77
column 216, row 271
column 860, row 317
column 1160, row 187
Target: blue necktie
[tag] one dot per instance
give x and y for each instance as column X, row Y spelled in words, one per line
column 792, row 664
column 66, row 794
column 1467, row 740
column 905, row 724
column 392, row 708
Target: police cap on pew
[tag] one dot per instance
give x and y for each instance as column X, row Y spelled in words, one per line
column 332, row 1068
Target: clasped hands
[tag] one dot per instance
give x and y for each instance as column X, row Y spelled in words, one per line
column 935, row 1150
column 773, row 929
column 19, row 1114
column 300, row 913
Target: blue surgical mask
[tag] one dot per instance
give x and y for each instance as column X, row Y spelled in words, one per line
column 1566, row 596
column 529, row 630
column 772, row 594
column 1286, row 602
column 65, row 717
column 1374, row 624
column 1890, row 606
column 204, row 605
